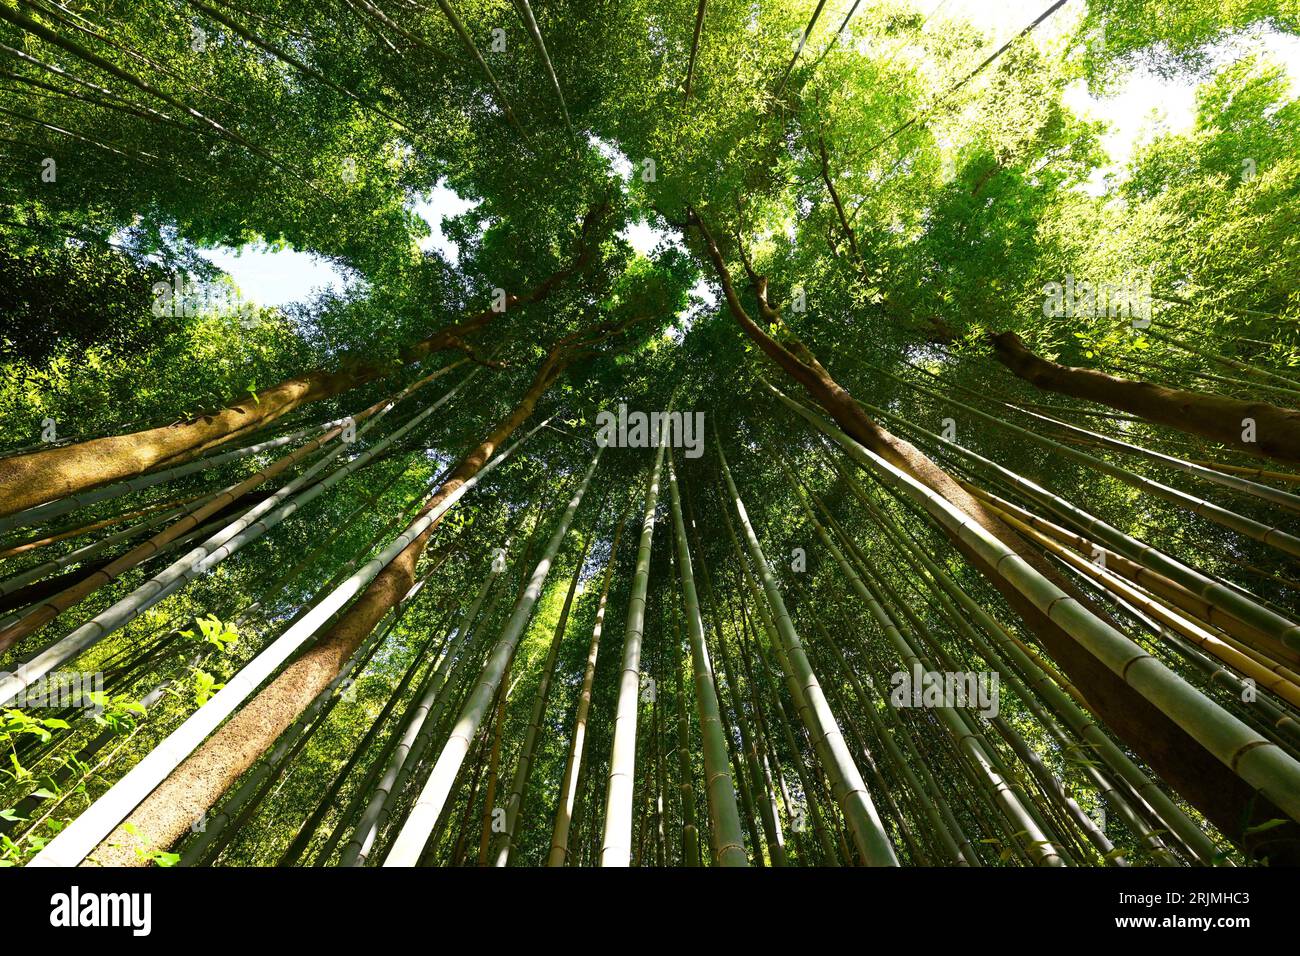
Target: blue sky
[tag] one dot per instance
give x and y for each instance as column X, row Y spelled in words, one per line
column 275, row 276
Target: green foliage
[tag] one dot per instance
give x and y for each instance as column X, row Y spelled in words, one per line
column 898, row 215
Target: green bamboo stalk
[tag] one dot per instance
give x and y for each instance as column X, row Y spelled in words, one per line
column 928, row 794
column 724, row 816
column 829, row 852
column 760, row 766
column 1285, row 384
column 420, row 722
column 685, row 776
column 559, row 854
column 494, row 763
column 967, row 738
column 506, row 843
column 1258, row 530
column 886, row 595
column 1252, row 757
column 1093, row 739
column 868, row 833
column 840, row 702
column 616, row 849
column 753, row 788
column 1168, row 590
column 456, row 856
column 774, row 780
column 660, row 834
column 1283, row 499
column 1047, row 780
column 409, row 843
column 758, row 787
column 1242, row 606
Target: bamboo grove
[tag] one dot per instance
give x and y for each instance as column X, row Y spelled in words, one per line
column 533, row 542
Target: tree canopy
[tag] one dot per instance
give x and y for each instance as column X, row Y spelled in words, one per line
column 808, row 446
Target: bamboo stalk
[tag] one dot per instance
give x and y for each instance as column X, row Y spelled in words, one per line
column 76, row 841
column 616, row 848
column 724, row 815
column 559, row 853
column 868, row 833
column 1253, row 758
column 410, row 840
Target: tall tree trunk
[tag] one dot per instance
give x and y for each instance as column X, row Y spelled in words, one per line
column 559, row 854
column 724, row 815
column 1216, row 417
column 1227, row 800
column 616, row 846
column 198, row 782
column 41, row 476
column 507, row 844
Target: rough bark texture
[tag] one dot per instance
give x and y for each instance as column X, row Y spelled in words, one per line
column 223, row 503
column 51, row 586
column 1225, row 799
column 1216, row 417
column 193, row 787
column 41, row 540
column 38, row 477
